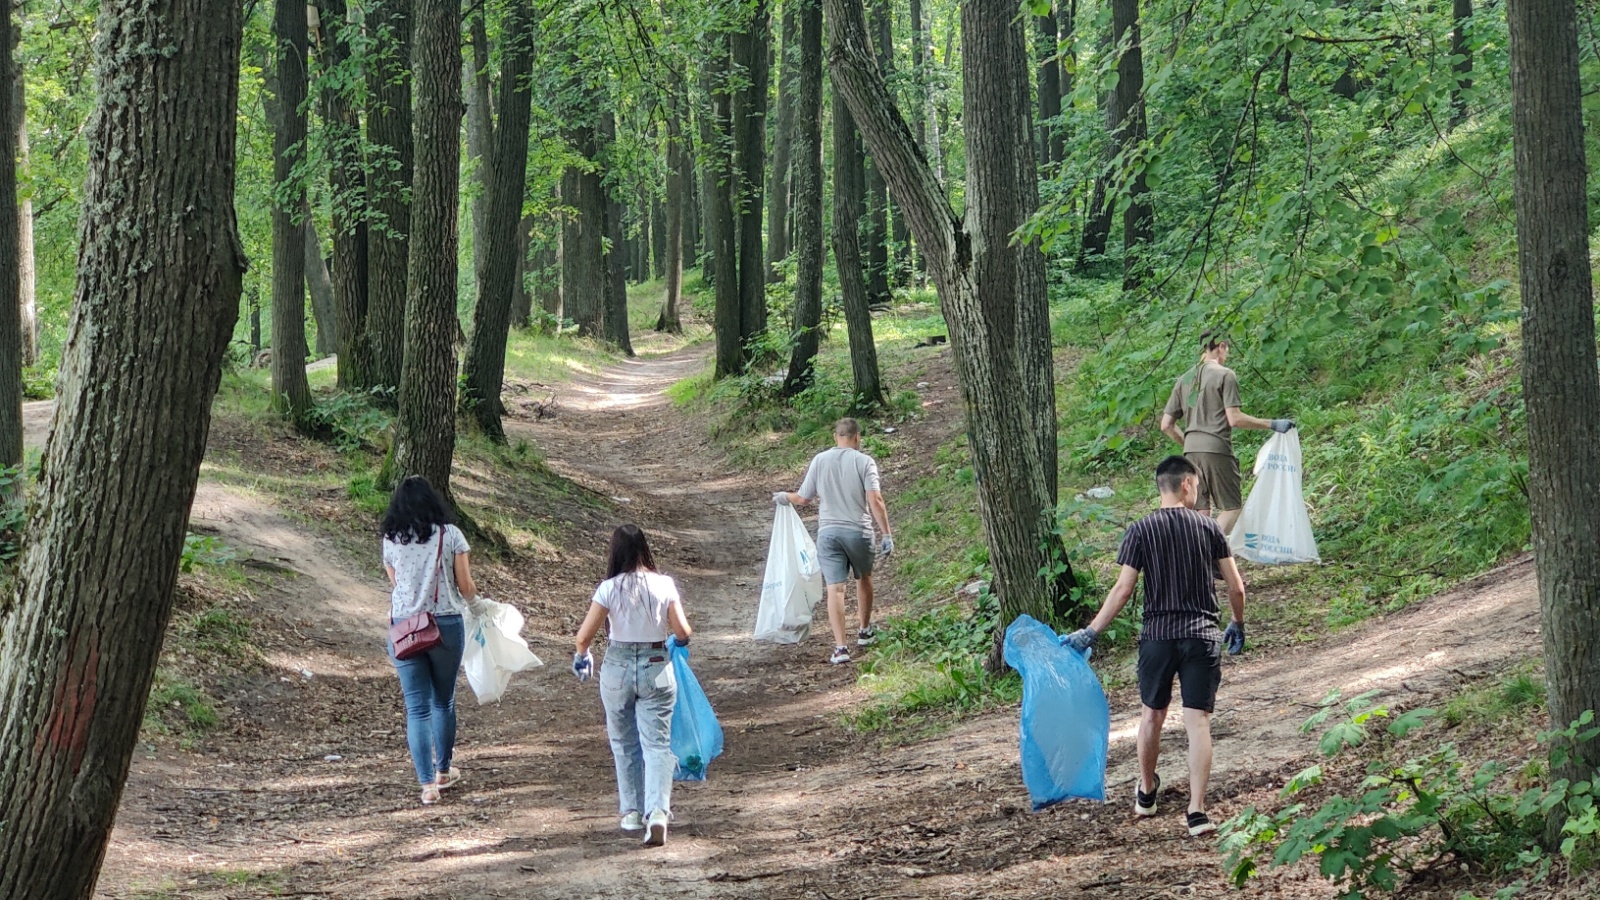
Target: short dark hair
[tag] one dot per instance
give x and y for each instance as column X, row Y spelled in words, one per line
column 629, row 551
column 1212, row 338
column 847, row 428
column 1171, row 473
column 413, row 512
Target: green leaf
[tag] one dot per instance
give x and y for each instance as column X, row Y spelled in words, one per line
column 1410, row 721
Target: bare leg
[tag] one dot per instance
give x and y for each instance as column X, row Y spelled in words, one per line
column 1226, row 518
column 1149, row 742
column 836, row 612
column 1198, row 724
column 864, row 600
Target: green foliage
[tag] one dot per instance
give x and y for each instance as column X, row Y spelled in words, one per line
column 354, row 421
column 1410, row 813
column 202, row 550
column 178, row 707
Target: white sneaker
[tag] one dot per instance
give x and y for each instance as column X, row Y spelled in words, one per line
column 866, row 637
column 840, row 655
column 633, row 821
column 656, row 834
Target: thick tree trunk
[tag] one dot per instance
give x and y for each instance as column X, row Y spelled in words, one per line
column 159, row 268
column 992, row 359
column 320, row 285
column 1559, row 381
column 810, row 254
column 498, row 242
column 780, row 176
column 425, row 430
column 347, row 181
column 521, row 290
column 722, row 225
column 291, row 393
column 1138, row 220
column 476, row 92
column 616, row 286
column 878, row 291
column 680, row 172
column 27, row 274
column 1461, row 51
column 13, row 342
column 1052, row 149
column 583, row 264
column 849, row 189
column 752, row 58
column 389, row 141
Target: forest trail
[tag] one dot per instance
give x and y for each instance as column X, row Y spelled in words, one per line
column 797, row 806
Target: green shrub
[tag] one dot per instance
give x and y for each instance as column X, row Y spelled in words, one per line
column 204, row 550
column 354, row 421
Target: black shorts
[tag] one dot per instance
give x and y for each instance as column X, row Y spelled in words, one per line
column 1196, row 662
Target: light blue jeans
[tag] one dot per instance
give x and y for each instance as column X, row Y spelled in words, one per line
column 638, row 689
column 428, row 681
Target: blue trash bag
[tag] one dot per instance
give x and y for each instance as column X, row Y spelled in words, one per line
column 696, row 736
column 1066, row 722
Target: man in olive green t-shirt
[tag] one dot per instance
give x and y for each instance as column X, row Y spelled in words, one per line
column 1206, row 399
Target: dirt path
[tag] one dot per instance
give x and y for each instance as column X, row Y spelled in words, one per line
column 795, row 808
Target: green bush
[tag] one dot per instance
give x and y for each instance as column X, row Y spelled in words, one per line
column 204, row 550
column 354, row 421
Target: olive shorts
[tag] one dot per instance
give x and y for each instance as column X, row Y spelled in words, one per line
column 1221, row 487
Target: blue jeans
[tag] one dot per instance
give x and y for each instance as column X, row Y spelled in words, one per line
column 638, row 689
column 428, row 681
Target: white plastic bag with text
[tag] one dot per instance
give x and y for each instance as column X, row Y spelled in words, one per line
column 495, row 650
column 793, row 583
column 1274, row 528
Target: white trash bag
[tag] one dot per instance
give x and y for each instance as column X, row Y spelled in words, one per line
column 793, row 583
column 1274, row 527
column 495, row 651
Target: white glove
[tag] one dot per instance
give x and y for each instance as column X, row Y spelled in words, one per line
column 480, row 606
column 781, row 498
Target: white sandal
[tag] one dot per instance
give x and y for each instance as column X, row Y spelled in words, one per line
column 447, row 779
column 430, row 794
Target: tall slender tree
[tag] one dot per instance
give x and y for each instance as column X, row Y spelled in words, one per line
column 27, row 273
column 341, row 122
column 1461, row 52
column 158, row 282
column 810, row 253
column 291, row 392
column 1052, row 148
column 1559, row 380
column 425, row 429
column 1138, row 219
column 616, row 279
column 498, row 241
column 13, row 346
column 877, row 224
column 389, row 141
column 720, row 180
column 319, row 284
column 752, row 58
column 780, row 176
column 477, row 88
column 849, row 195
column 680, row 175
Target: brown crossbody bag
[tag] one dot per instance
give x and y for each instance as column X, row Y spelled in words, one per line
column 420, row 633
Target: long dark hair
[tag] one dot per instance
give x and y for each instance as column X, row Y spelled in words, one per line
column 629, row 552
column 414, row 511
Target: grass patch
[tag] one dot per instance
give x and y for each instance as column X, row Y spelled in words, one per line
column 1490, row 704
column 177, row 707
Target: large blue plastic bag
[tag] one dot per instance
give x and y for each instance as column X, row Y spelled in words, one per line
column 1066, row 722
column 696, row 736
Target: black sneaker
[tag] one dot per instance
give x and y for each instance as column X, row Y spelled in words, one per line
column 866, row 637
column 1145, row 804
column 1200, row 823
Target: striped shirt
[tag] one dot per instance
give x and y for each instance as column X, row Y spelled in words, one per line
column 1176, row 550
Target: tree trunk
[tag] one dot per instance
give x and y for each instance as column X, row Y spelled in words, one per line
column 992, row 358
column 583, row 265
column 255, row 321
column 878, row 292
column 722, row 227
column 476, row 92
column 521, row 292
column 1052, row 149
column 1137, row 219
column 849, row 189
column 291, row 393
column 389, row 142
column 320, row 285
column 680, row 172
column 498, row 241
column 27, row 274
column 1097, row 222
column 159, row 268
column 548, row 263
column 616, row 286
column 13, row 343
column 347, row 183
column 779, row 185
column 658, row 238
column 1559, row 381
column 1461, row 53
column 751, row 56
column 810, row 253
column 425, row 430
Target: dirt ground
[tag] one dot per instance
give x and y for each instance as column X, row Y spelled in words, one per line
column 308, row 791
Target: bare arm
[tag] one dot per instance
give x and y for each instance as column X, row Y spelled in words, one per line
column 678, row 622
column 797, row 499
column 390, row 569
column 1116, row 599
column 1230, row 574
column 464, row 582
column 880, row 512
column 1238, row 418
column 589, row 628
column 1169, row 427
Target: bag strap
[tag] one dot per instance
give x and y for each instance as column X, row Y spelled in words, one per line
column 438, row 563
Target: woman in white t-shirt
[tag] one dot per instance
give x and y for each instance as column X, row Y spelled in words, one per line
column 641, row 607
column 428, row 562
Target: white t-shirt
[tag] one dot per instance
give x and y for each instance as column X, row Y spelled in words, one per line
column 416, row 574
column 637, row 603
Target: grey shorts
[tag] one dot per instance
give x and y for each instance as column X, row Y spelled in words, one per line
column 842, row 551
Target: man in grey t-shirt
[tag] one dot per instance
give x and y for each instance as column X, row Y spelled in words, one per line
column 845, row 483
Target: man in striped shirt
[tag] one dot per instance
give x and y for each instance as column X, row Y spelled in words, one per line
column 1177, row 550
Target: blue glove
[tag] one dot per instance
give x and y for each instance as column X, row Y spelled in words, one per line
column 1282, row 425
column 886, row 546
column 1080, row 640
column 1233, row 638
column 781, row 498
column 582, row 665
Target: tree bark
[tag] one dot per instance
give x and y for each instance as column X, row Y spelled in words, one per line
column 159, row 269
column 425, row 429
column 780, row 175
column 27, row 274
column 1138, row 219
column 751, row 56
column 548, row 263
column 389, row 141
column 13, row 342
column 476, row 93
column 320, row 285
column 616, row 286
column 810, row 253
column 291, row 393
column 1559, row 381
column 680, row 172
column 878, row 290
column 658, row 237
column 1097, row 222
column 583, row 265
column 498, row 241
column 983, row 283
column 722, row 225
column 1052, row 149
column 849, row 190
column 521, row 291
column 347, row 183
column 1461, row 52
column 692, row 229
